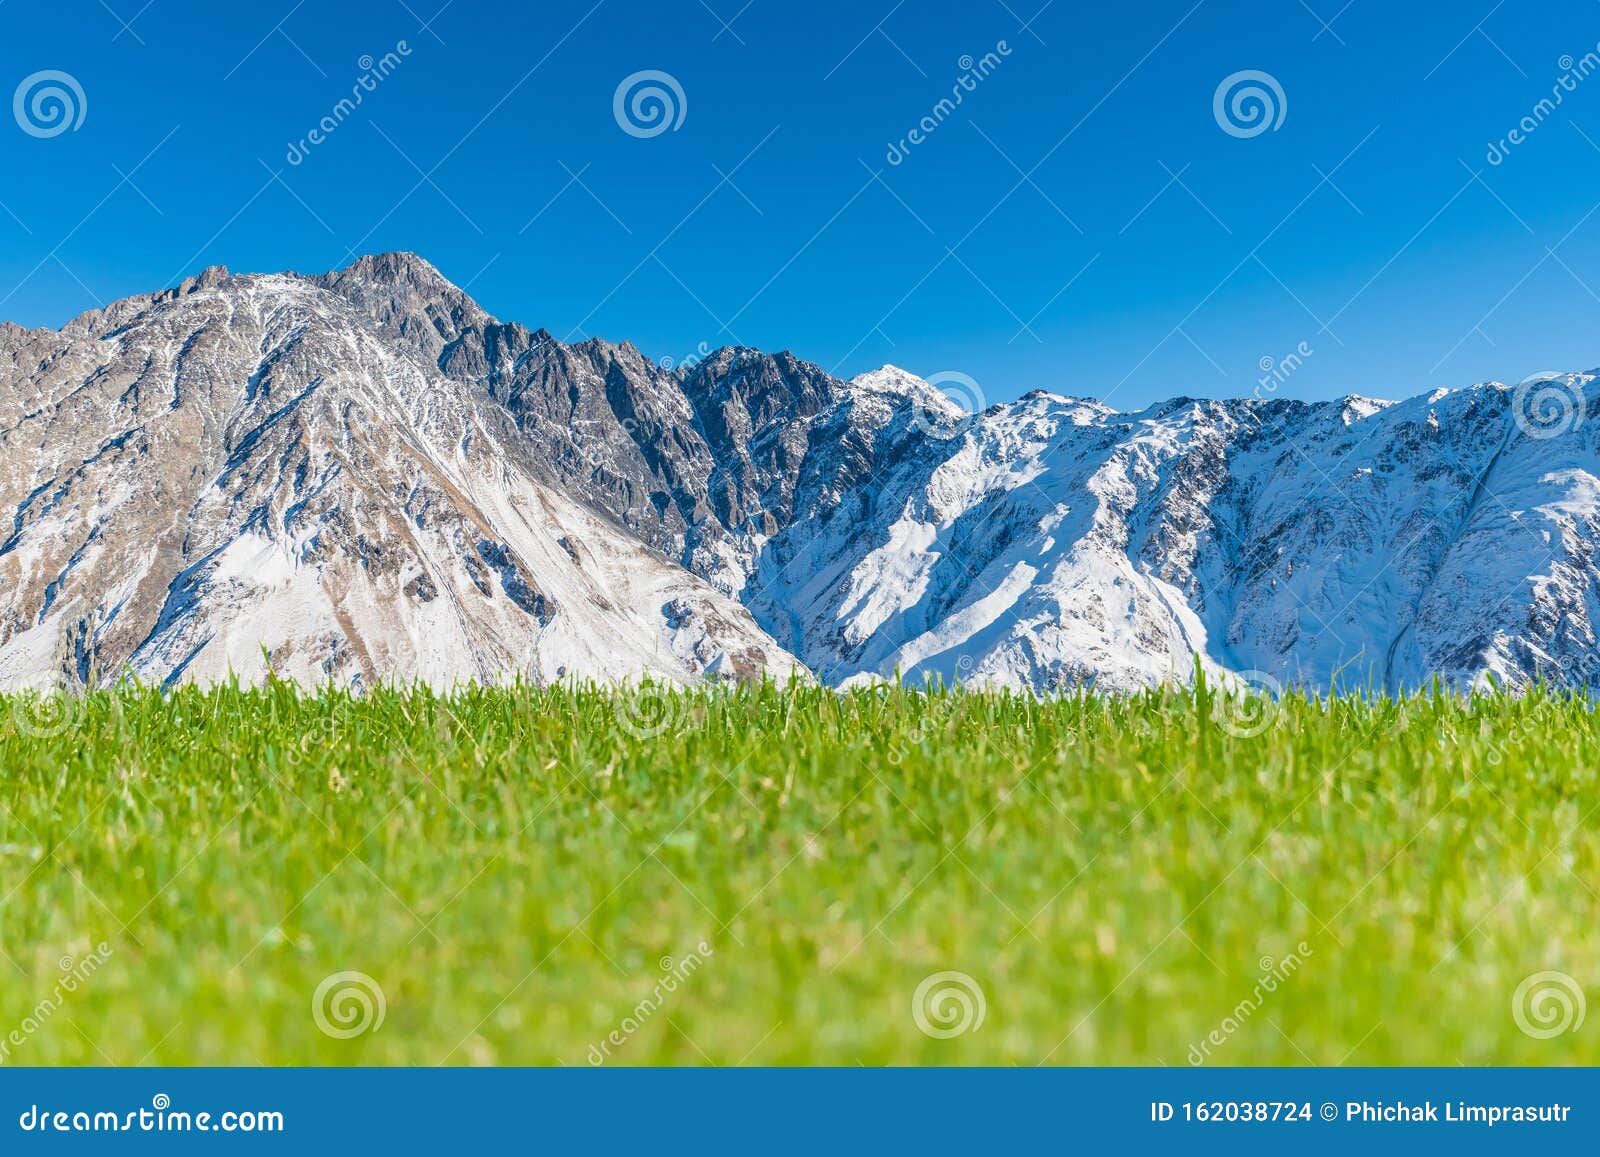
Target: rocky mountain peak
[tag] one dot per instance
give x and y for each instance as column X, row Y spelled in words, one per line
column 271, row 463
column 209, row 278
column 397, row 268
column 407, row 297
column 892, row 382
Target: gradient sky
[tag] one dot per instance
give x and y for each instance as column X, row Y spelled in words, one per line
column 1080, row 223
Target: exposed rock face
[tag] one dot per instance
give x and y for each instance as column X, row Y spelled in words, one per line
column 367, row 477
column 272, row 468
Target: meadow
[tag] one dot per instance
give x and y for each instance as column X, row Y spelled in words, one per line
column 763, row 875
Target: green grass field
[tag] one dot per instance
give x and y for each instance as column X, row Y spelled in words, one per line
column 769, row 876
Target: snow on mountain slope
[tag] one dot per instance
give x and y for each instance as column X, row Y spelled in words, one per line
column 370, row 477
column 252, row 464
column 995, row 551
column 1051, row 542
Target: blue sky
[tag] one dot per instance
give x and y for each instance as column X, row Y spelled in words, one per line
column 1080, row 222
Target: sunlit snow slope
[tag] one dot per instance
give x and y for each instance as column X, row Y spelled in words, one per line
column 363, row 476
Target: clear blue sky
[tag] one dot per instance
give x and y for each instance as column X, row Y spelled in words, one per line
column 1401, row 271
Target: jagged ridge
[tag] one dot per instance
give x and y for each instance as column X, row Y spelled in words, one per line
column 370, row 476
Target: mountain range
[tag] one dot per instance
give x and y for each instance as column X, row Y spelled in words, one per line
column 363, row 477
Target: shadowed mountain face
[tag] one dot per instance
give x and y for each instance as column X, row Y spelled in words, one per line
column 363, row 476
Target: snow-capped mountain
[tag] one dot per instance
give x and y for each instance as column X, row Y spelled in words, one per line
column 364, row 476
column 271, row 469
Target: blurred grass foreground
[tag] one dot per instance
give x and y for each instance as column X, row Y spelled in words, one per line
column 765, row 875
